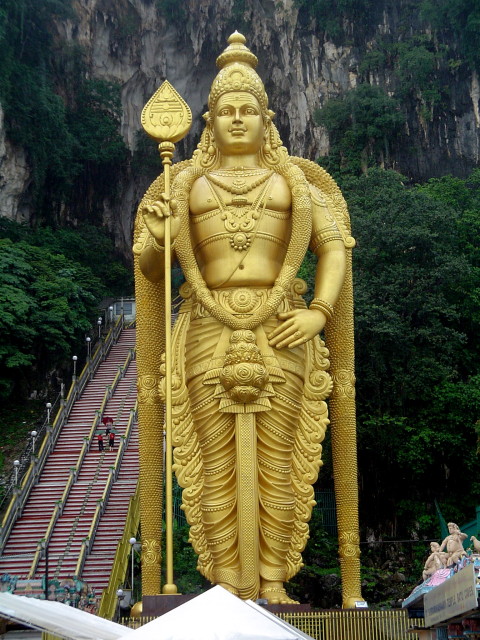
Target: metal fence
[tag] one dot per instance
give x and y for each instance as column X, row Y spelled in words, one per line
column 341, row 624
column 353, row 625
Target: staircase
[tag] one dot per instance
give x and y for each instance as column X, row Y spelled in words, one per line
column 74, row 523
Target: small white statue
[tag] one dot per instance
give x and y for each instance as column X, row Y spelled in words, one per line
column 435, row 561
column 453, row 544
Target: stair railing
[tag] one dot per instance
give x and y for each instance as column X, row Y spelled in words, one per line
column 109, row 391
column 57, row 512
column 125, row 440
column 108, row 601
column 89, row 540
column 20, row 492
column 102, row 502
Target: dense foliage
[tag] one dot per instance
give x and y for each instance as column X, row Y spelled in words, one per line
column 417, row 284
column 51, row 282
column 361, row 126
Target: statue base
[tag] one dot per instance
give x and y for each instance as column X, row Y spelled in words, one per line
column 154, row 606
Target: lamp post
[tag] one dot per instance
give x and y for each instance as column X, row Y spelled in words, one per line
column 45, row 552
column 119, row 597
column 74, row 358
column 133, row 542
column 34, row 436
column 16, row 464
column 99, row 323
column 49, row 408
column 110, row 313
column 88, row 340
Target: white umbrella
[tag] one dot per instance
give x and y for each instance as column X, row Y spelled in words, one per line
column 58, row 619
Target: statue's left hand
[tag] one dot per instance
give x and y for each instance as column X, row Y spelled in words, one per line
column 298, row 326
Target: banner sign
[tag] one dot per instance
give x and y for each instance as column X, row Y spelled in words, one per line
column 452, row 598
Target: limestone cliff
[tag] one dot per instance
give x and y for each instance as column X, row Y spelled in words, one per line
column 135, row 43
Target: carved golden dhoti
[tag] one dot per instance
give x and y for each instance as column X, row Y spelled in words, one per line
column 275, row 464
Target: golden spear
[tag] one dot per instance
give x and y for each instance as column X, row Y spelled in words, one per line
column 167, row 119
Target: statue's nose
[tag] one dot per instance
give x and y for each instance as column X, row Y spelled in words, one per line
column 237, row 117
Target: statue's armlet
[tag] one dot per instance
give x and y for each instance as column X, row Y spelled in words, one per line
column 324, row 226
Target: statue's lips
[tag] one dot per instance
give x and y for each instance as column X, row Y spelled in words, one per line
column 237, row 132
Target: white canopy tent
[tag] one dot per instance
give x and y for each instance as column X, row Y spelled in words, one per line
column 217, row 615
column 213, row 615
column 59, row 619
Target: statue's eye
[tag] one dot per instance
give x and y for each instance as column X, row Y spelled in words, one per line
column 251, row 111
column 224, row 112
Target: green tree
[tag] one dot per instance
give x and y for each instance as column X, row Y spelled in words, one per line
column 417, row 404
column 460, row 17
column 86, row 245
column 361, row 126
column 46, row 305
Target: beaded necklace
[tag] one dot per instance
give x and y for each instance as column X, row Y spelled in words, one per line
column 239, row 186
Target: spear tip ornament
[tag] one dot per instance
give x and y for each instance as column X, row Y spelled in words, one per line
column 166, row 117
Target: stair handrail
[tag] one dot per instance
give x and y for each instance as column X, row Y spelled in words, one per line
column 125, row 440
column 102, row 502
column 20, row 494
column 88, row 541
column 121, row 371
column 57, row 512
column 109, row 597
column 30, row 478
column 93, row 428
column 110, row 389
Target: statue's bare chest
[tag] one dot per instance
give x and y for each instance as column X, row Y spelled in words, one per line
column 233, row 211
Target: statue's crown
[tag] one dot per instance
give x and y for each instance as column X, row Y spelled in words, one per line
column 237, row 73
column 237, row 52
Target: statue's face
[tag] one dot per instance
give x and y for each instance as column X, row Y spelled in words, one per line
column 238, row 124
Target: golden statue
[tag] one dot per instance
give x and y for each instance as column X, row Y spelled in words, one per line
column 250, row 372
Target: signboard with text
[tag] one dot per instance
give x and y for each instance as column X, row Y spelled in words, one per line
column 455, row 596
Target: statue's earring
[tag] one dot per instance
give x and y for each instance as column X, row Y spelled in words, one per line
column 211, row 147
column 269, row 142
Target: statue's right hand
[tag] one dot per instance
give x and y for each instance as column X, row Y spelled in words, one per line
column 155, row 215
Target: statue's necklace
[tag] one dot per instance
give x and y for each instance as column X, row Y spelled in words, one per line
column 300, row 236
column 240, row 218
column 242, row 172
column 239, row 185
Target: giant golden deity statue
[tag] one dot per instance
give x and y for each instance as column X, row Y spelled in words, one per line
column 251, row 374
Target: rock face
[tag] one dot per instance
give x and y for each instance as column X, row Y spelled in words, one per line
column 133, row 42
column 14, row 178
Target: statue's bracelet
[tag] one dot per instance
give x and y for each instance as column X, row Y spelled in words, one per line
column 318, row 304
column 160, row 248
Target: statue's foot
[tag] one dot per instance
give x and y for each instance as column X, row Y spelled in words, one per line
column 275, row 593
column 228, row 587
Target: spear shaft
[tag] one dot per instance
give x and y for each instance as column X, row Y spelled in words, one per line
column 167, row 119
column 166, row 152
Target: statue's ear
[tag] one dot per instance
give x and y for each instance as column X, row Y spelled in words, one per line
column 206, row 116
